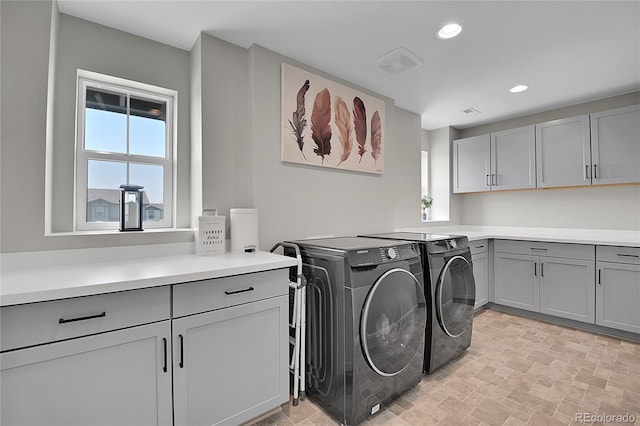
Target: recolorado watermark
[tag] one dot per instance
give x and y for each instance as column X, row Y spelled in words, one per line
column 605, row 418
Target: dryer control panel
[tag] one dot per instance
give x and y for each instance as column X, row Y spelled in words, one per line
column 380, row 255
column 448, row 245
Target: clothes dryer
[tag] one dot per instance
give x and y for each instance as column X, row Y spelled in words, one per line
column 450, row 293
column 365, row 323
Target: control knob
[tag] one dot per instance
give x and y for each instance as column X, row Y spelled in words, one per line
column 391, row 253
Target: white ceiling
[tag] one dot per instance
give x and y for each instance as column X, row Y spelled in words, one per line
column 568, row 52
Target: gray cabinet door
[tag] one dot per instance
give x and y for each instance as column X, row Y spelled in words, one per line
column 516, row 281
column 481, row 278
column 471, row 164
column 231, row 365
column 513, row 159
column 114, row 378
column 563, row 152
column 567, row 288
column 618, row 296
column 615, row 145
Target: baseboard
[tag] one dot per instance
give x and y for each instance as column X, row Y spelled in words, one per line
column 593, row 328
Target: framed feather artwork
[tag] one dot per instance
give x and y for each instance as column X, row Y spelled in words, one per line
column 327, row 124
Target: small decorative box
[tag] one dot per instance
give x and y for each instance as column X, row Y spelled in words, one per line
column 210, row 235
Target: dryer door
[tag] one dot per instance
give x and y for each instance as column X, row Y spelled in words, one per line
column 455, row 296
column 393, row 320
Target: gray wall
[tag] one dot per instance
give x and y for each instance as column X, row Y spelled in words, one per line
column 25, row 90
column 610, row 207
column 297, row 201
column 613, row 207
column 24, row 50
column 234, row 129
column 88, row 46
column 225, row 149
column 554, row 114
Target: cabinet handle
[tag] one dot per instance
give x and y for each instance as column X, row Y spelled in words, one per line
column 164, row 349
column 487, row 180
column 586, row 174
column 65, row 321
column 599, row 277
column 535, row 269
column 492, row 180
column 479, row 247
column 539, row 249
column 628, row 255
column 595, row 171
column 181, row 341
column 541, row 269
column 239, row 291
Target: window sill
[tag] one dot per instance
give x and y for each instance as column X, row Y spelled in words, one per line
column 436, row 221
column 172, row 231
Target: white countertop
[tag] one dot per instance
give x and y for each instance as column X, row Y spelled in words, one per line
column 57, row 274
column 31, row 277
column 608, row 237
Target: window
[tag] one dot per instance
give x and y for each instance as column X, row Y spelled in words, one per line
column 424, row 180
column 125, row 135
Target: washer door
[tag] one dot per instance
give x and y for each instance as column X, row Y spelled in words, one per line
column 455, row 296
column 393, row 322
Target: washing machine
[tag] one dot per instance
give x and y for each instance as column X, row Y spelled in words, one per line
column 450, row 293
column 365, row 323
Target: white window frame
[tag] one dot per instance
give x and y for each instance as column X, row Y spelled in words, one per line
column 424, row 179
column 424, row 173
column 88, row 79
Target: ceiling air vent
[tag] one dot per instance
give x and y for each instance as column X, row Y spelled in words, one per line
column 398, row 61
column 471, row 111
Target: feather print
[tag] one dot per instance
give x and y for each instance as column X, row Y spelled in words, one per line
column 360, row 124
column 376, row 136
column 298, row 121
column 343, row 121
column 321, row 123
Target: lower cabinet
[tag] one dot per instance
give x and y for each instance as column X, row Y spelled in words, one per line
column 516, row 283
column 216, row 352
column 116, row 378
column 551, row 278
column 618, row 288
column 230, row 348
column 480, row 259
column 228, row 364
column 566, row 288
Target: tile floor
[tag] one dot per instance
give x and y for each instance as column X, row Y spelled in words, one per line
column 517, row 371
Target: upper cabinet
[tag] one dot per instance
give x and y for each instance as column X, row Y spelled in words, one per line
column 591, row 149
column 513, row 159
column 471, row 164
column 595, row 149
column 499, row 161
column 615, row 146
column 563, row 153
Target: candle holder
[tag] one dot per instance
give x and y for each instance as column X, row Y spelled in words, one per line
column 131, row 207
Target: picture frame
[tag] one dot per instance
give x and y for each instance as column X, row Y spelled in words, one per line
column 327, row 124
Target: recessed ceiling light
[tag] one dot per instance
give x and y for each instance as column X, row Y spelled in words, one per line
column 519, row 88
column 449, row 31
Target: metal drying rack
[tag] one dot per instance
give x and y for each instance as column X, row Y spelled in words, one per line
column 297, row 322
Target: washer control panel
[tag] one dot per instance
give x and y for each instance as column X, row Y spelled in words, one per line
column 380, row 255
column 391, row 253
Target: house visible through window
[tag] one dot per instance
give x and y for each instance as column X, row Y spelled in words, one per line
column 125, row 136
